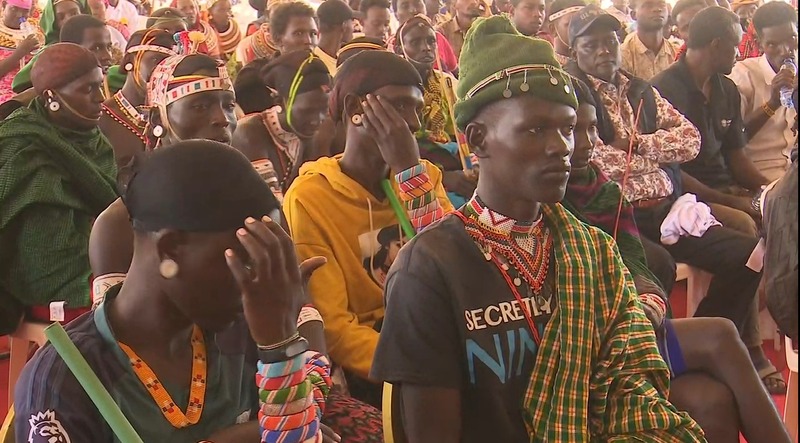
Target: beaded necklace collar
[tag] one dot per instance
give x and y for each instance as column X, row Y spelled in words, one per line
column 521, row 252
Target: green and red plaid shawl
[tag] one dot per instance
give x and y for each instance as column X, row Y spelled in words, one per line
column 595, row 201
column 599, row 376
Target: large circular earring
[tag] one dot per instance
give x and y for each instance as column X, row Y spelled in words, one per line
column 168, row 268
column 52, row 104
column 357, row 119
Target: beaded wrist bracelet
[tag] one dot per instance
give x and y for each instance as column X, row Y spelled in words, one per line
column 288, row 408
column 291, row 436
column 287, row 395
column 282, row 368
column 278, row 383
column 284, row 422
column 409, row 173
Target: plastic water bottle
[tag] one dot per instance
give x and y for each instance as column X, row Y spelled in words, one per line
column 26, row 27
column 786, row 92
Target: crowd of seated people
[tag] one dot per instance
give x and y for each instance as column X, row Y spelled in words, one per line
column 246, row 234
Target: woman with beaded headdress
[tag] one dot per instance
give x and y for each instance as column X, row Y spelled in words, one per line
column 191, row 10
column 123, row 122
column 228, row 32
column 167, row 19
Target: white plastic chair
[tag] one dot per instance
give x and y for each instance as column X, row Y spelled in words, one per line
column 20, row 343
column 697, row 282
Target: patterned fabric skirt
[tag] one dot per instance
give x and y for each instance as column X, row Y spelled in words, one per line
column 353, row 420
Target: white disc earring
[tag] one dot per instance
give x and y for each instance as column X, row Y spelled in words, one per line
column 129, row 67
column 357, row 119
column 158, row 131
column 54, row 105
column 168, row 268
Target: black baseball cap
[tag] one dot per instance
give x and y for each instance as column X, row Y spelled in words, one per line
column 334, row 12
column 588, row 18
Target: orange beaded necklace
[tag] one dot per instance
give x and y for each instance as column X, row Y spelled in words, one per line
column 197, row 391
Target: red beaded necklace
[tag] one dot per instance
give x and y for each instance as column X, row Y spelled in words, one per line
column 502, row 249
column 137, row 132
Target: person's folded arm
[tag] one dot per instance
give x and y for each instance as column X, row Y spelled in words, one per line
column 744, row 171
column 676, row 140
column 614, row 162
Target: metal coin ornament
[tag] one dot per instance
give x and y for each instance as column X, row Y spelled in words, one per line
column 524, row 87
column 553, row 81
column 507, row 93
column 566, row 89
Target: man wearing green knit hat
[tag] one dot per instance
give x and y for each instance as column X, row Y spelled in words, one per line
column 509, row 320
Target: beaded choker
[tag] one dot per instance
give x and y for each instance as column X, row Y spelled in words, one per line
column 130, row 111
column 197, row 391
column 521, row 252
column 137, row 131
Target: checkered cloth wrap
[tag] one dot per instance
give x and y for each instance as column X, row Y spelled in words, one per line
column 599, row 376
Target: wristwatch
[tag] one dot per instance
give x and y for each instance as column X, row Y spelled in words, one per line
column 285, row 352
column 755, row 203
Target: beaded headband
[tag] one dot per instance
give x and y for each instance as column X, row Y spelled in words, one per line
column 158, row 93
column 152, row 48
column 159, row 96
column 557, row 15
column 524, row 87
column 194, row 87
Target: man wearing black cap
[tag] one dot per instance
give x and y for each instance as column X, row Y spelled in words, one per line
column 648, row 130
column 335, row 29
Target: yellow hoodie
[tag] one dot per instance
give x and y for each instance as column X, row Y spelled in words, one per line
column 331, row 215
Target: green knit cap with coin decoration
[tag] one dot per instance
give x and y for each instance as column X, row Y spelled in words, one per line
column 497, row 62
